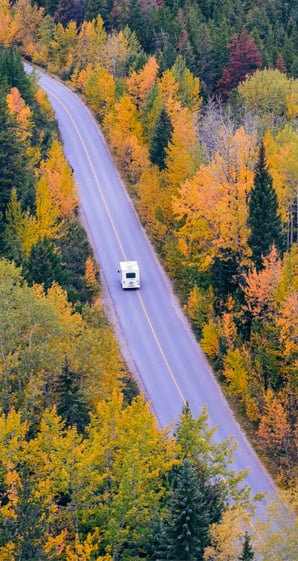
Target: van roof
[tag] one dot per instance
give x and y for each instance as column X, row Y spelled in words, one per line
column 129, row 265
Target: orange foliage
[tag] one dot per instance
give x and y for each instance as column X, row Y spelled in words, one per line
column 213, row 204
column 22, row 113
column 125, row 133
column 274, row 428
column 140, row 83
column 261, row 286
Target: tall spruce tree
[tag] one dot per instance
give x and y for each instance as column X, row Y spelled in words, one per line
column 12, row 167
column 185, row 533
column 93, row 8
column 264, row 219
column 161, row 138
column 44, row 265
column 247, row 551
column 71, row 404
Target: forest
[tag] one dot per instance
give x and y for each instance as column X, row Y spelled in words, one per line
column 199, row 104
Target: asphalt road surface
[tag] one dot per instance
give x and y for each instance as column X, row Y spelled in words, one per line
column 157, row 342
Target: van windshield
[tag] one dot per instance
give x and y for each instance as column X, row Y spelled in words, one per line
column 130, row 275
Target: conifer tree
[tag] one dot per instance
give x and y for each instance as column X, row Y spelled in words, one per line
column 264, row 220
column 11, row 159
column 247, row 551
column 71, row 405
column 161, row 138
column 185, row 533
column 93, row 8
column 44, row 265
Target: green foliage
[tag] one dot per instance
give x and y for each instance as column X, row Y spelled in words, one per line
column 75, row 249
column 70, row 401
column 12, row 73
column 44, row 265
column 12, row 159
column 94, row 8
column 264, row 220
column 247, row 552
column 184, row 534
column 161, row 139
column 215, row 459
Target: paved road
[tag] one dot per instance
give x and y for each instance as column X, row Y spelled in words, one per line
column 157, row 341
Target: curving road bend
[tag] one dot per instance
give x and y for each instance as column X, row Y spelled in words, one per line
column 157, row 342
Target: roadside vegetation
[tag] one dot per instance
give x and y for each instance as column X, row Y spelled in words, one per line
column 208, row 149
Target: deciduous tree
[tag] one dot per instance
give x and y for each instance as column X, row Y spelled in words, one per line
column 244, row 61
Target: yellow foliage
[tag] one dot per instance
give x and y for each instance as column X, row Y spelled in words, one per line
column 91, row 42
column 292, row 104
column 63, row 46
column 47, row 213
column 43, row 101
column 8, row 25
column 213, row 203
column 168, row 88
column 182, row 152
column 235, row 372
column 227, row 536
column 153, row 204
column 9, row 552
column 210, row 340
column 282, row 158
column 28, row 19
column 55, row 545
column 56, row 191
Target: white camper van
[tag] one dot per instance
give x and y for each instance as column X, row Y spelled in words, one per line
column 129, row 274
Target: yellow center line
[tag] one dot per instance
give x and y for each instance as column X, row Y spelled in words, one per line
column 121, row 248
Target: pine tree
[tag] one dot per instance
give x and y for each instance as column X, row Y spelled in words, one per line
column 264, row 220
column 44, row 265
column 12, row 172
column 185, row 533
column 93, row 8
column 12, row 73
column 161, row 138
column 71, row 405
column 247, row 551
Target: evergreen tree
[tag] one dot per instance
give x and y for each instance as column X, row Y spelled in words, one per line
column 75, row 249
column 12, row 74
column 70, row 10
column 161, row 138
column 247, row 551
column 93, row 8
column 44, row 265
column 185, row 533
column 71, row 404
column 264, row 220
column 12, row 172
